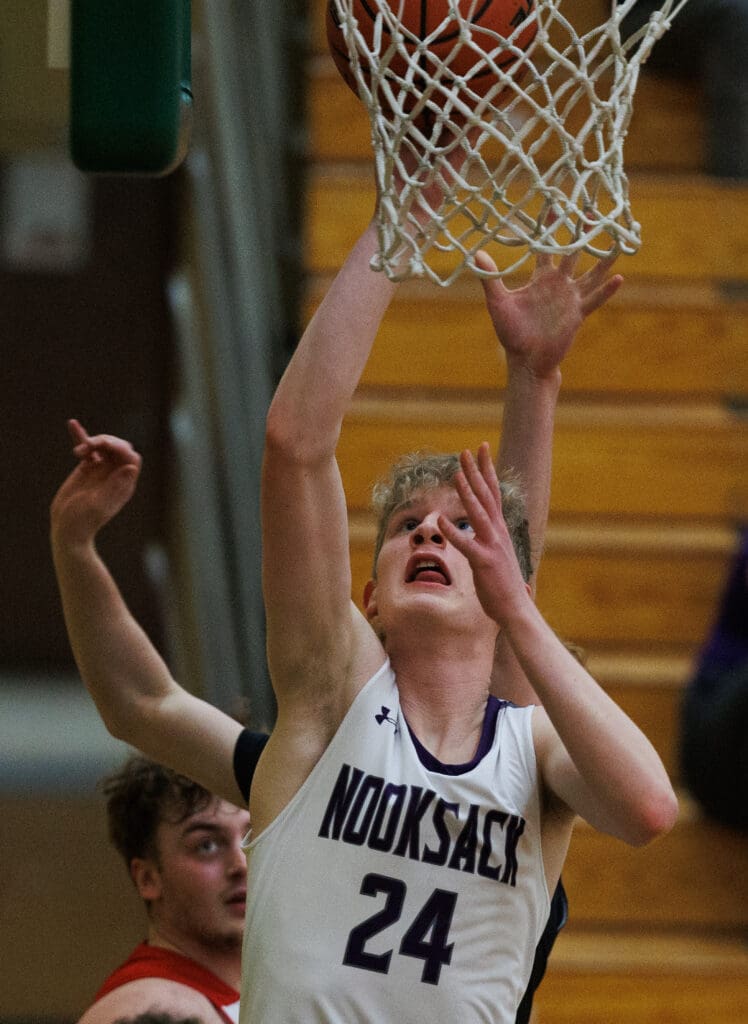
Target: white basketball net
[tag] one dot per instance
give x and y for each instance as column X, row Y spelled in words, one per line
column 543, row 155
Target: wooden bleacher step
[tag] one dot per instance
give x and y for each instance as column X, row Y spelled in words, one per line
column 657, row 339
column 614, row 975
column 638, row 459
column 695, row 877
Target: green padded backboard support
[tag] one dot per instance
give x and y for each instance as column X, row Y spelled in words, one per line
column 130, row 85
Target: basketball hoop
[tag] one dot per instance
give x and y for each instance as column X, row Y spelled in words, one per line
column 533, row 160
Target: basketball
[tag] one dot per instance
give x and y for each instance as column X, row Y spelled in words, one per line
column 422, row 19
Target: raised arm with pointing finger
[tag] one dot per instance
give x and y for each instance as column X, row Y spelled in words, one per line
column 134, row 692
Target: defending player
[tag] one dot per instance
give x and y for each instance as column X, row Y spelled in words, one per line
column 183, row 850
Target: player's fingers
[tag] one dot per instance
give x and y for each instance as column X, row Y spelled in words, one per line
column 480, row 492
column 474, row 509
column 123, row 481
column 568, row 263
column 544, row 260
column 77, row 432
column 114, row 448
column 485, row 262
column 494, row 289
column 462, row 540
column 599, row 272
column 600, row 296
column 488, row 472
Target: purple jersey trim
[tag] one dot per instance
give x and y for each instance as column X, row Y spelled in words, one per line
column 433, row 764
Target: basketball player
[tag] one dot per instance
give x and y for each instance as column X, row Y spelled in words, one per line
column 441, row 639
column 183, row 850
column 398, row 810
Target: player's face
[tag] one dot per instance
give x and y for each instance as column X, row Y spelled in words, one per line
column 202, row 877
column 417, row 568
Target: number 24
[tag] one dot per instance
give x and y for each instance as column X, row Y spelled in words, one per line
column 435, row 917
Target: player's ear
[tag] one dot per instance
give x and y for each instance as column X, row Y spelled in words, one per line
column 370, row 600
column 146, row 878
column 371, row 608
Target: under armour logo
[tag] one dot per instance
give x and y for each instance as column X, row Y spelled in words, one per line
column 384, row 716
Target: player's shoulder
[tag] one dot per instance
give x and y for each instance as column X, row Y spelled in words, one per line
column 543, row 731
column 150, row 994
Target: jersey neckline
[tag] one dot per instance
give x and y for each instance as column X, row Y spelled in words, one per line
column 488, row 731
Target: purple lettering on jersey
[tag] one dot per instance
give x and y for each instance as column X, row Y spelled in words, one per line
column 410, row 835
column 340, row 801
column 382, row 835
column 439, row 856
column 366, row 810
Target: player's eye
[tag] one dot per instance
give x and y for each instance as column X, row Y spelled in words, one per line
column 463, row 524
column 207, row 846
column 406, row 525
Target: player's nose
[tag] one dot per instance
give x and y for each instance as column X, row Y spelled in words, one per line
column 428, row 531
column 236, row 858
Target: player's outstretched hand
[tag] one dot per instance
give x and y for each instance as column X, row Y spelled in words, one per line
column 536, row 324
column 488, row 546
column 100, row 485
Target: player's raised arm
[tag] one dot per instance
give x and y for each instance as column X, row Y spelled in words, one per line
column 313, row 630
column 128, row 680
column 536, row 325
column 311, row 622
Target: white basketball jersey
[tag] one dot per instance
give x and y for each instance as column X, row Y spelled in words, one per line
column 392, row 890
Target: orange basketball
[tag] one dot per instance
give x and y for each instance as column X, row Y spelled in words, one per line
column 421, row 18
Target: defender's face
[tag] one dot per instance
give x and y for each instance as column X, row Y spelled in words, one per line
column 202, row 876
column 418, row 571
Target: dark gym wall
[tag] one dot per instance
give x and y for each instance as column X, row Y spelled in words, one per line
column 93, row 343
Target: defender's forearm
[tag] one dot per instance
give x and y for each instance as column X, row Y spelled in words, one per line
column 119, row 665
column 527, row 445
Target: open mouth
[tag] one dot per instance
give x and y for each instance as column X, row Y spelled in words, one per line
column 427, row 570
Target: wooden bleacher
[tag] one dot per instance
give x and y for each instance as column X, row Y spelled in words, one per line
column 649, row 483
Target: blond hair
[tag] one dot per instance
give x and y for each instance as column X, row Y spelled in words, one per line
column 425, row 471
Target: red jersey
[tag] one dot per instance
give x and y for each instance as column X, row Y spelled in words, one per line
column 147, row 961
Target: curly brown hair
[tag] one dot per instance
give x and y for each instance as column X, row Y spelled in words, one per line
column 141, row 795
